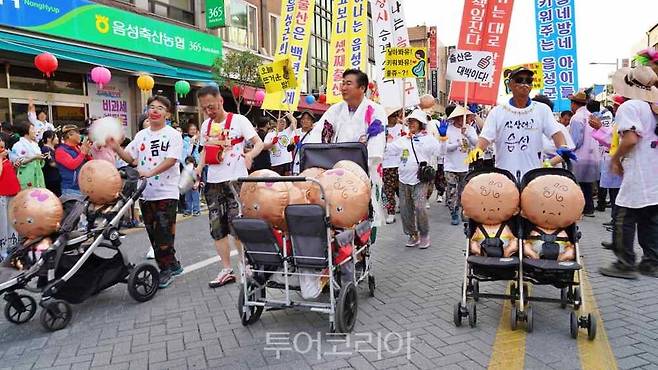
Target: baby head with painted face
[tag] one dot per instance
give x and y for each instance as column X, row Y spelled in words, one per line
column 552, row 202
column 490, row 198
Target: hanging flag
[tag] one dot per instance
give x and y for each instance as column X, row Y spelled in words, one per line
column 389, row 30
column 349, row 43
column 485, row 26
column 293, row 38
column 555, row 21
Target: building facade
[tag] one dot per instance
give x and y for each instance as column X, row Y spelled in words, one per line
column 421, row 36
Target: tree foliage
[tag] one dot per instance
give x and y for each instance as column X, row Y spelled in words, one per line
column 238, row 68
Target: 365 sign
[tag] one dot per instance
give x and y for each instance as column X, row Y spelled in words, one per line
column 215, row 14
column 470, row 66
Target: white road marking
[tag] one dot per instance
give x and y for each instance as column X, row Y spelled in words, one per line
column 201, row 264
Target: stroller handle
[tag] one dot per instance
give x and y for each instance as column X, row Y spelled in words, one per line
column 273, row 179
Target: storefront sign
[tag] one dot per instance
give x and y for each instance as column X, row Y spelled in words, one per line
column 556, row 49
column 215, row 14
column 277, row 76
column 112, row 100
column 405, row 63
column 538, row 76
column 432, row 56
column 470, row 66
column 85, row 21
column 434, row 82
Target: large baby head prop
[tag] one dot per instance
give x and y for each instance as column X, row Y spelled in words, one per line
column 348, row 196
column 35, row 212
column 490, row 198
column 552, row 202
column 100, row 181
column 265, row 200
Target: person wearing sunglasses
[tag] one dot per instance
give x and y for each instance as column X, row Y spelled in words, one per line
column 516, row 128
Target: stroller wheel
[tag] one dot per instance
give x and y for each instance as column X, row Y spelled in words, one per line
column 563, row 298
column 476, row 290
column 143, row 282
column 472, row 314
column 573, row 329
column 457, row 314
column 371, row 285
column 513, row 293
column 250, row 314
column 19, row 308
column 346, row 308
column 55, row 315
column 529, row 319
column 591, row 326
column 513, row 318
column 577, row 299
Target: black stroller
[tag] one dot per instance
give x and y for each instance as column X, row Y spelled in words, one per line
column 314, row 244
column 70, row 270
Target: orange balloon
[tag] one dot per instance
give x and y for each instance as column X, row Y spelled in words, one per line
column 355, row 169
column 490, row 198
column 552, row 202
column 296, row 196
column 265, row 200
column 426, row 102
column 347, row 195
column 35, row 213
column 306, row 186
column 100, row 181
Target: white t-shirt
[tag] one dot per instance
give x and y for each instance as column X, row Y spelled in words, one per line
column 392, row 134
column 279, row 153
column 549, row 145
column 233, row 165
column 425, row 145
column 639, row 188
column 456, row 151
column 433, row 129
column 150, row 148
column 39, row 126
column 517, row 135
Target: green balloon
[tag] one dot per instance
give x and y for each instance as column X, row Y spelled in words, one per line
column 182, row 87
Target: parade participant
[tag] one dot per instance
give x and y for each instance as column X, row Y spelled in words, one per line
column 551, row 159
column 156, row 150
column 9, row 187
column 414, row 150
column 51, row 175
column 565, row 117
column 357, row 119
column 516, row 128
column 637, row 121
column 434, row 127
column 306, row 120
column 586, row 168
column 277, row 142
column 70, row 156
column 38, row 119
column 225, row 132
column 461, row 139
column 27, row 157
column 262, row 160
column 394, row 130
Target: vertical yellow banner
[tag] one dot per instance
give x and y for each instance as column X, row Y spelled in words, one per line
column 349, row 43
column 294, row 35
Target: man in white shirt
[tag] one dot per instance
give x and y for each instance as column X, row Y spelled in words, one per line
column 462, row 137
column 156, row 150
column 277, row 142
column 516, row 128
column 228, row 131
column 394, row 130
column 637, row 202
column 38, row 119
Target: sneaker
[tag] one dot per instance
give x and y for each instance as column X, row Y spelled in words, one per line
column 619, row 270
column 439, row 199
column 150, row 255
column 166, row 278
column 454, row 218
column 177, row 268
column 195, row 214
column 390, row 219
column 187, row 214
column 589, row 214
column 648, row 269
column 413, row 241
column 138, row 224
column 224, row 277
column 424, row 242
column 397, row 209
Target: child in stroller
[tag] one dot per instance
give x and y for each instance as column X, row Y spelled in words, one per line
column 69, row 270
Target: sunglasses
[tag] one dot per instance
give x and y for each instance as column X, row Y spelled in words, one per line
column 523, row 80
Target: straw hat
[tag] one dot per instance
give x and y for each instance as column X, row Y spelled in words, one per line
column 419, row 116
column 636, row 83
column 390, row 111
column 459, row 112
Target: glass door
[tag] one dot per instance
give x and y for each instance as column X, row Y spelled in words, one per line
column 68, row 114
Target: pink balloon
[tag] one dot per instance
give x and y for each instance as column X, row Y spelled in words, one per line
column 101, row 76
column 260, row 95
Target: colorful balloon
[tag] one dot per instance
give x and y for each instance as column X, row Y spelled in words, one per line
column 35, row 212
column 552, row 202
column 100, row 181
column 305, row 187
column 182, row 88
column 236, row 90
column 490, row 198
column 310, row 99
column 347, row 195
column 46, row 63
column 101, row 76
column 259, row 96
column 265, row 200
column 322, row 99
column 355, row 169
column 145, row 82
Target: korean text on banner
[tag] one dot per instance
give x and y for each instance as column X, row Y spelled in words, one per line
column 294, row 34
column 405, row 63
column 277, row 76
column 538, row 75
column 349, row 43
column 470, row 66
column 485, row 27
column 556, row 49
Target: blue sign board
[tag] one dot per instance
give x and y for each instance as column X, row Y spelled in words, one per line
column 555, row 21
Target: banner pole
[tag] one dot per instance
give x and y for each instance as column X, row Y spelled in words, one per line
column 465, row 101
column 404, row 99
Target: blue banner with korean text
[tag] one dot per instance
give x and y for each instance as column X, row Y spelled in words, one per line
column 555, row 21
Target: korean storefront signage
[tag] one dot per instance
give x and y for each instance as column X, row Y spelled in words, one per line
column 485, row 26
column 112, row 100
column 85, row 21
column 556, row 49
column 405, row 63
column 215, row 14
column 277, row 76
column 389, row 30
column 470, row 66
column 294, row 34
column 349, row 43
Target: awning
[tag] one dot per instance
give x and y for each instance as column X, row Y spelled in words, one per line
column 93, row 56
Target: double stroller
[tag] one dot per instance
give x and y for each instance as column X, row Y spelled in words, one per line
column 309, row 249
column 77, row 264
column 492, row 265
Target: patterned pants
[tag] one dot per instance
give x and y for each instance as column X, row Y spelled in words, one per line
column 222, row 209
column 412, row 209
column 160, row 221
column 455, row 181
column 391, row 188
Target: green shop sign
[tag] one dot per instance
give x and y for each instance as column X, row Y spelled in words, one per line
column 215, row 14
column 82, row 20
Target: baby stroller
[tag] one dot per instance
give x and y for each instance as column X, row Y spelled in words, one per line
column 70, row 270
column 308, row 250
column 491, row 266
column 546, row 270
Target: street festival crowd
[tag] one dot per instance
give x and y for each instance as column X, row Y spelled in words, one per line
column 415, row 157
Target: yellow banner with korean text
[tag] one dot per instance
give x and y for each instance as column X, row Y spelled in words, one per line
column 537, row 79
column 294, row 35
column 277, row 76
column 405, row 63
column 349, row 43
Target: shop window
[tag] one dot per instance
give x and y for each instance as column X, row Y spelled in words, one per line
column 21, row 78
column 180, row 10
column 241, row 25
column 274, row 33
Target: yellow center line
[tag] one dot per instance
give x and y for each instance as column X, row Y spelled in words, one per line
column 594, row 354
column 508, row 351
